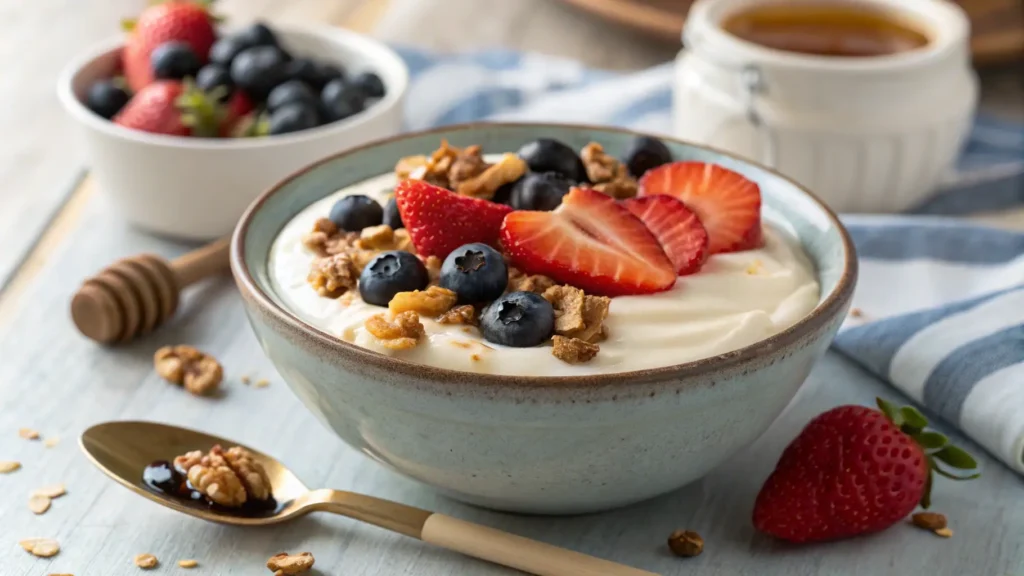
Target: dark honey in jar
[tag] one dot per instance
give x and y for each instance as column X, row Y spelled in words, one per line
column 826, row 29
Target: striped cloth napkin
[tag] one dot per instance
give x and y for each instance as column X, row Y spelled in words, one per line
column 940, row 301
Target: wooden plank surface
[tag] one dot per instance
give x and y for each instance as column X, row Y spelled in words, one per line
column 53, row 380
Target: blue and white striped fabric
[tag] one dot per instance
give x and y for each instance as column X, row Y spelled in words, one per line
column 942, row 300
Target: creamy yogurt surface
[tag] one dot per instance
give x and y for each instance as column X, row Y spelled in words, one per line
column 735, row 300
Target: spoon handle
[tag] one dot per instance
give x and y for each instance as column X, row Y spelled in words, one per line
column 470, row 539
column 517, row 552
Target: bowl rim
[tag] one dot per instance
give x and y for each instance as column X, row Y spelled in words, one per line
column 380, row 54
column 837, row 299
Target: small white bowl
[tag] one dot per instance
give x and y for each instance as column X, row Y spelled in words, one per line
column 197, row 188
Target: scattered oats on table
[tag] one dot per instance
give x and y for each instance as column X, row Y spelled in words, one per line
column 146, row 561
column 28, row 434
column 188, row 563
column 261, row 383
column 245, row 379
column 41, row 547
column 856, row 313
column 186, row 366
column 51, row 441
column 51, row 490
column 686, row 543
column 8, row 466
column 284, row 563
column 39, row 504
column 944, row 532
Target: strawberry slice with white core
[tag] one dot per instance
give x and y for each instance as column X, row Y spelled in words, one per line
column 590, row 242
column 676, row 227
column 728, row 204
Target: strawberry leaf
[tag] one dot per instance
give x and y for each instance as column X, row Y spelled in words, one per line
column 890, row 410
column 946, row 474
column 931, row 440
column 128, row 24
column 912, row 418
column 957, row 458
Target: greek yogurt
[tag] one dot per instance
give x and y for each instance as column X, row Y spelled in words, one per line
column 735, row 300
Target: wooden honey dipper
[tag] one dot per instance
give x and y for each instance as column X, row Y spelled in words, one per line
column 135, row 295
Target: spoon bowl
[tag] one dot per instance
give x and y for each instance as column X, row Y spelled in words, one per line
column 124, row 449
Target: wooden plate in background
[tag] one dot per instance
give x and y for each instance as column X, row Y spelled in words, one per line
column 998, row 25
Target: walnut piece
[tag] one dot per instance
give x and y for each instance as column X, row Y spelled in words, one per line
column 929, row 520
column 376, row 237
column 215, row 479
column 520, row 282
column 433, row 301
column 573, row 350
column 433, row 169
column 686, row 543
column 284, row 563
column 200, row 373
column 508, row 169
column 465, row 314
column 402, row 333
column 564, row 299
column 608, row 175
column 254, row 478
column 333, row 276
column 326, row 239
column 467, row 164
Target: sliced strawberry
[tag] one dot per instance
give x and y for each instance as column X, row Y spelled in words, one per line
column 676, row 227
column 727, row 204
column 590, row 242
column 440, row 220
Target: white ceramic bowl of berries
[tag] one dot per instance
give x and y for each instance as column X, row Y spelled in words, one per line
column 185, row 124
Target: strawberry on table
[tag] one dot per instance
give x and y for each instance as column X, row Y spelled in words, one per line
column 439, row 220
column 172, row 20
column 854, row 470
column 590, row 241
column 676, row 227
column 728, row 204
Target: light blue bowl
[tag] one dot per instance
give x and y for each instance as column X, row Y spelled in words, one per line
column 531, row 444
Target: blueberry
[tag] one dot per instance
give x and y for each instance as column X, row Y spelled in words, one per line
column 645, row 153
column 519, row 319
column 476, row 272
column 292, row 118
column 341, row 99
column 539, row 191
column 258, row 70
column 291, row 92
column 548, row 155
column 214, row 76
column 258, row 34
column 224, row 50
column 370, row 84
column 306, row 71
column 106, row 98
column 503, row 195
column 391, row 215
column 390, row 273
column 330, row 71
column 355, row 212
column 174, row 61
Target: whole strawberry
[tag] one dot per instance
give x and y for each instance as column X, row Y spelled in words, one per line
column 171, row 20
column 854, row 470
column 177, row 109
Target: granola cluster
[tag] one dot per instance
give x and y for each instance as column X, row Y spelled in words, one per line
column 229, row 478
column 608, row 175
column 433, row 301
column 402, row 332
column 341, row 256
column 521, row 282
column 186, row 366
column 462, row 170
column 579, row 323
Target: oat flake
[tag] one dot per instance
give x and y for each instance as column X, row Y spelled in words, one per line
column 41, row 547
column 39, row 504
column 8, row 466
column 51, row 491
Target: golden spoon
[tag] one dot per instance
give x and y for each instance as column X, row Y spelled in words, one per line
column 124, row 449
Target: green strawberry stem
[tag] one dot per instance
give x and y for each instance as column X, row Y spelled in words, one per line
column 935, row 445
column 201, row 112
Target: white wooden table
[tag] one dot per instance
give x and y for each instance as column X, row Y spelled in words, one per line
column 53, row 380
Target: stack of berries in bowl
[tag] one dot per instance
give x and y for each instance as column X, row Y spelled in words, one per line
column 181, row 78
column 535, row 238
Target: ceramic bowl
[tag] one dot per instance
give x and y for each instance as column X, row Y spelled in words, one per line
column 196, row 188
column 541, row 444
